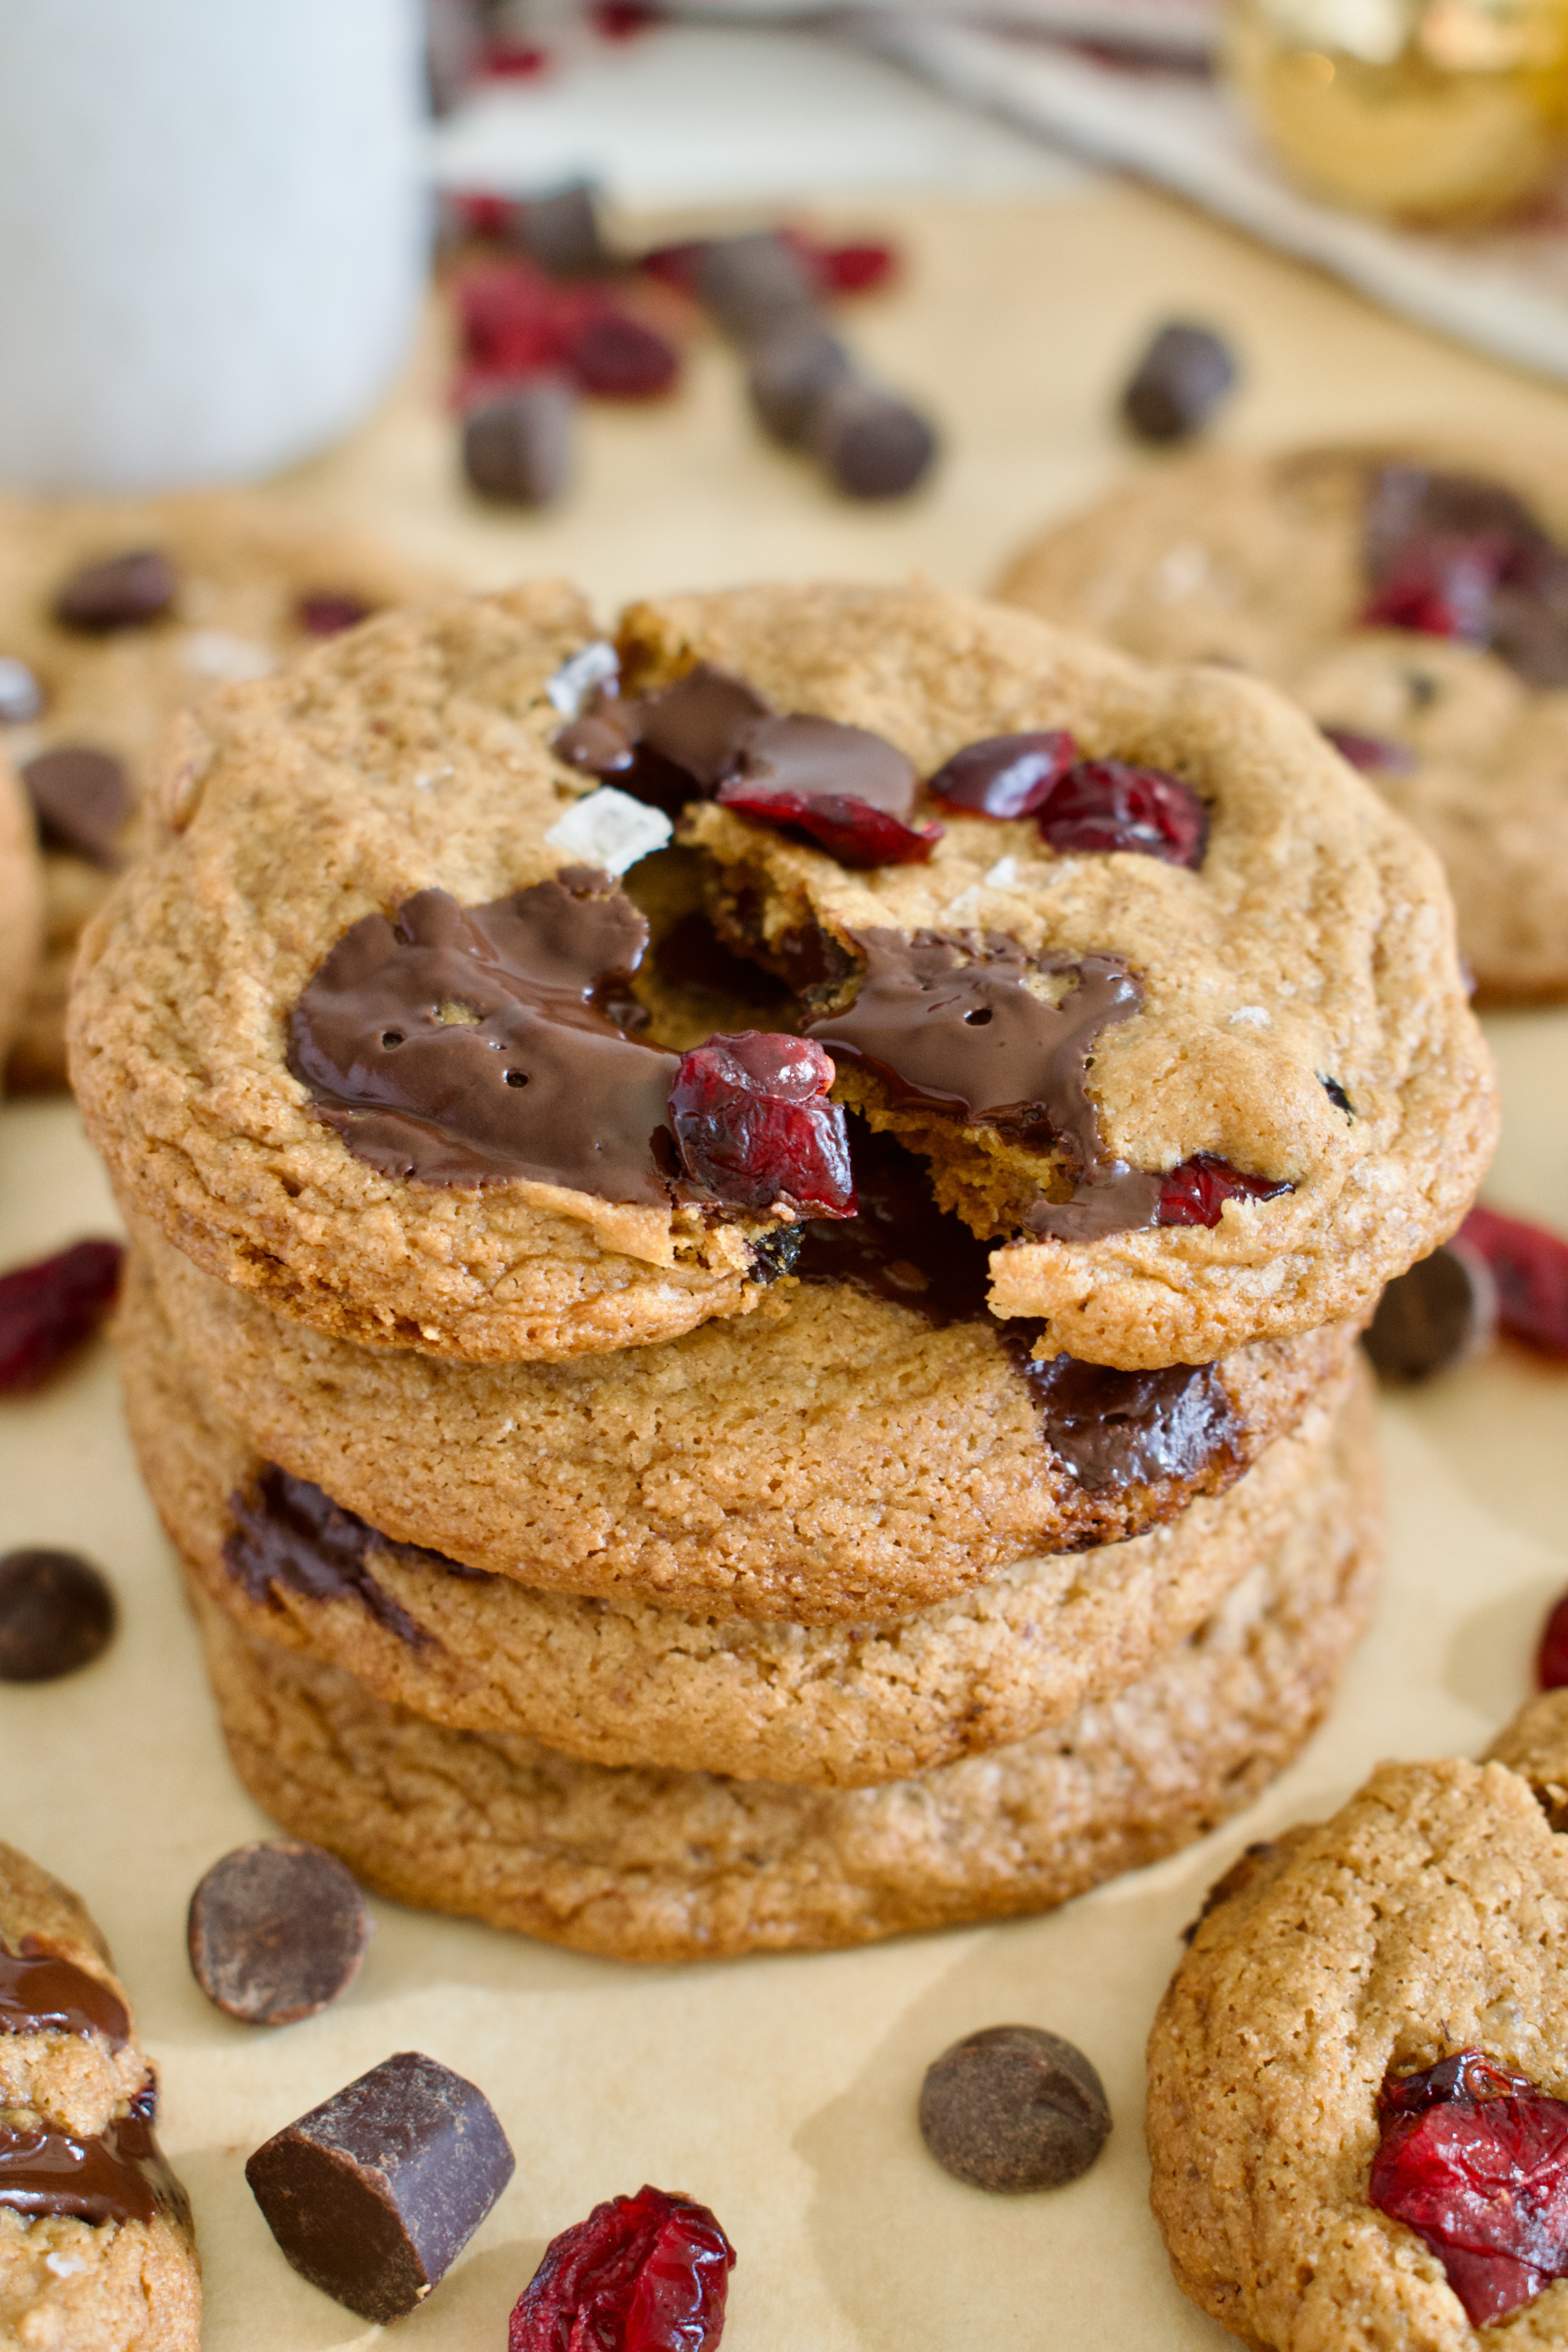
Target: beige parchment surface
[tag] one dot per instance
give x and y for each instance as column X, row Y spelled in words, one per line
column 782, row 2091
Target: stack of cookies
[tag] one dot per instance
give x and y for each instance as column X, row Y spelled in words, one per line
column 749, row 1245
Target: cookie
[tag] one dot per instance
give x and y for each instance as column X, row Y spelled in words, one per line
column 644, row 1863
column 96, row 2246
column 1288, row 1100
column 837, row 1454
column 191, row 594
column 1421, row 1922
column 625, row 1681
column 1284, row 565
column 21, row 902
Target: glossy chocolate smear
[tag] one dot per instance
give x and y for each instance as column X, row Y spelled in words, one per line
column 1525, row 622
column 466, row 1044
column 1126, row 1429
column 287, row 1532
column 116, row 2175
column 950, row 1020
column 807, row 755
column 43, row 1992
column 899, row 1245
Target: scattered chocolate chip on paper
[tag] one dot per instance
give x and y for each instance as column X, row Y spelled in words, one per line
column 1014, row 2108
column 1178, row 384
column 1439, row 1313
column 126, row 592
column 517, row 449
column 57, row 1614
column 276, row 1931
column 80, row 798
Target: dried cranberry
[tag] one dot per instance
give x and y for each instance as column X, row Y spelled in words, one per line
column 617, row 358
column 1196, row 1192
column 858, row 268
column 509, row 318
column 1475, row 2160
column 49, row 1308
column 620, row 20
column 753, row 1123
column 1552, row 1658
column 643, row 2274
column 1530, row 1267
column 1107, row 804
column 514, row 60
column 676, row 265
column 1370, row 754
column 1441, row 587
column 325, row 613
column 490, row 219
column 847, row 828
column 1004, row 775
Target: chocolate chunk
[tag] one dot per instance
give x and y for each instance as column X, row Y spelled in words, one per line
column 287, row 1533
column 561, row 233
column 276, row 1931
column 43, row 1992
column 1121, row 1429
column 57, row 1614
column 465, row 1045
column 1004, row 776
column 899, row 1245
column 21, row 696
column 1014, row 2108
column 790, row 374
column 750, row 286
column 808, row 755
column 81, row 798
column 126, row 592
column 518, row 449
column 1178, row 384
column 1439, row 1313
column 873, row 444
column 373, row 2194
column 116, row 2175
column 668, row 748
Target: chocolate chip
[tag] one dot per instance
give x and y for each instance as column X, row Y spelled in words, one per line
column 518, row 449
column 276, row 1931
column 873, row 444
column 752, row 285
column 57, row 1614
column 80, row 798
column 125, row 593
column 561, row 233
column 373, row 2194
column 1014, row 2108
column 1440, row 1313
column 21, row 696
column 790, row 374
column 1178, row 382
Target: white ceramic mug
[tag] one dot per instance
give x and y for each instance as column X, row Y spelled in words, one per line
column 212, row 232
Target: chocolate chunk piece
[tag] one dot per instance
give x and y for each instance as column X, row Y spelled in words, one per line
column 1439, row 1313
column 81, row 798
column 1014, row 2108
column 1118, row 1429
column 276, row 1931
column 42, row 1992
column 21, row 696
column 561, row 233
column 373, row 2194
column 873, row 444
column 750, row 286
column 287, row 1534
column 808, row 755
column 465, row 1045
column 57, row 1614
column 790, row 374
column 518, row 449
column 1178, row 384
column 668, row 748
column 116, row 2175
column 126, row 592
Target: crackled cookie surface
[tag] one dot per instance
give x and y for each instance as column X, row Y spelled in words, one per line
column 1411, row 596
column 625, row 1681
column 96, row 2249
column 657, row 1865
column 122, row 613
column 1338, row 2050
column 1188, row 1047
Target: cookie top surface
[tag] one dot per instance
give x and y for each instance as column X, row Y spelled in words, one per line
column 1218, row 1017
column 1271, row 563
column 1422, row 1919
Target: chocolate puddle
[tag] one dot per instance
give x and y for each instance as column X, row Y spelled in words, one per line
column 1126, row 1429
column 43, row 1992
column 288, row 1532
column 117, row 2175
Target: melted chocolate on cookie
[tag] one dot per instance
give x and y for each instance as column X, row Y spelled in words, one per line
column 43, row 1992
column 116, row 2175
column 1121, row 1429
column 467, row 1045
column 288, row 1532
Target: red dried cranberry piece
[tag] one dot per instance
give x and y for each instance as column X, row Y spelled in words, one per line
column 1475, row 2160
column 509, row 318
column 1107, row 804
column 643, row 2274
column 1530, row 1267
column 325, row 613
column 1196, row 1192
column 676, row 265
column 615, row 357
column 1004, row 775
column 1552, row 1658
column 490, row 219
column 1441, row 587
column 847, row 828
column 49, row 1308
column 1370, row 754
column 514, row 60
column 753, row 1123
column 620, row 20
column 858, row 268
